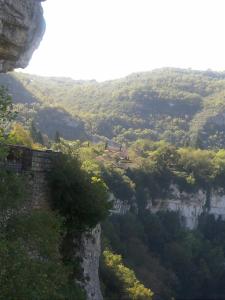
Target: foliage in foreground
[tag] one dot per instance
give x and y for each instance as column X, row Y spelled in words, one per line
column 31, row 264
column 128, row 285
column 175, row 262
column 6, row 111
column 78, row 197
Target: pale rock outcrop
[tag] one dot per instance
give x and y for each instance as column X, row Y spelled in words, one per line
column 191, row 205
column 217, row 203
column 88, row 250
column 119, row 207
column 21, row 29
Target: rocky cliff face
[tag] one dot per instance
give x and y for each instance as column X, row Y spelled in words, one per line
column 21, row 29
column 191, row 205
column 91, row 243
column 87, row 249
column 34, row 164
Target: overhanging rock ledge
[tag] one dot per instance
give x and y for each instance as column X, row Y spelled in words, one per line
column 21, row 30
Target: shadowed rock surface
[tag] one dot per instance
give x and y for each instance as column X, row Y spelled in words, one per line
column 21, row 29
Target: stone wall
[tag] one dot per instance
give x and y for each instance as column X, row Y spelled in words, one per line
column 40, row 165
column 21, row 29
column 35, row 165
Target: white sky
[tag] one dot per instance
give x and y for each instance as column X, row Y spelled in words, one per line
column 106, row 39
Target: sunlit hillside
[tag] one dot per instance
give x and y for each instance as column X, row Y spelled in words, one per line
column 183, row 107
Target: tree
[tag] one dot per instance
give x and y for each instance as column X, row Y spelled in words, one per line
column 57, row 137
column 133, row 288
column 20, row 136
column 36, row 134
column 6, row 109
column 31, row 263
column 79, row 198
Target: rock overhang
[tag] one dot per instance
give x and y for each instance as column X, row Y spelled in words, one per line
column 22, row 27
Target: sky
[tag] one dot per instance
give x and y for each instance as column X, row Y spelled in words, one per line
column 108, row 39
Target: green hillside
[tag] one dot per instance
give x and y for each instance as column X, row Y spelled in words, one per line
column 183, row 107
column 143, row 253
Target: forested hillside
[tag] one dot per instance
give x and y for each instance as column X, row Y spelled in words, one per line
column 183, row 107
column 145, row 255
column 38, row 221
column 167, row 258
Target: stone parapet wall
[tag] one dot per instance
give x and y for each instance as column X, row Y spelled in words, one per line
column 39, row 193
column 34, row 165
column 22, row 159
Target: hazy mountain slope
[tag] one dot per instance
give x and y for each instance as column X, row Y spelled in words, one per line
column 48, row 117
column 180, row 106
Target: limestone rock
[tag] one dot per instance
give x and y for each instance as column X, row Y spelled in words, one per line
column 21, row 29
column 191, row 205
column 88, row 250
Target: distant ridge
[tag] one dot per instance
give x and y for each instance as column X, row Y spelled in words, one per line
column 181, row 106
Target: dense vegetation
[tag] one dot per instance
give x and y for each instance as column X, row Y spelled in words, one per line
column 34, row 262
column 169, row 127
column 150, row 169
column 78, row 197
column 183, row 107
column 121, row 281
column 168, row 259
column 174, row 262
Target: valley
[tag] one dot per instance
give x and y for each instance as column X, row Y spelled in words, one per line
column 144, row 156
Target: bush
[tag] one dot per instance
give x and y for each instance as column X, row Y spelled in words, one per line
column 78, row 197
